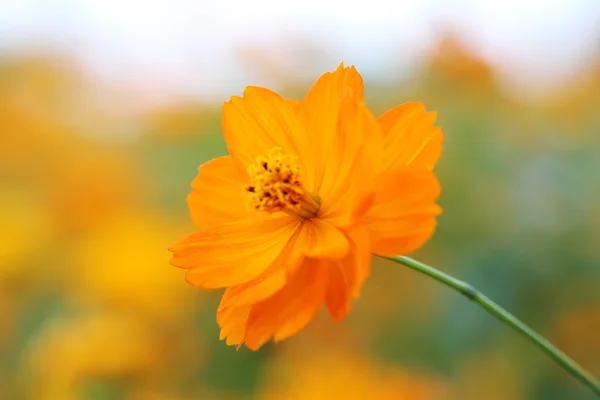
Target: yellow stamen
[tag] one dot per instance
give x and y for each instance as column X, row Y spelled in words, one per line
column 276, row 185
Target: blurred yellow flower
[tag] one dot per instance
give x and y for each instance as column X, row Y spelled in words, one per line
column 81, row 181
column 29, row 141
column 289, row 219
column 94, row 183
column 26, row 230
column 338, row 375
column 132, row 275
column 462, row 66
column 178, row 122
column 69, row 351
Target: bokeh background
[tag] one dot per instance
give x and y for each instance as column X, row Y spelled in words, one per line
column 108, row 107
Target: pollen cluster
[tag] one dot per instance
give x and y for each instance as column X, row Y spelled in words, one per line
column 275, row 185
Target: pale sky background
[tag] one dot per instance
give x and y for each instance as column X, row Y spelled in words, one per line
column 192, row 48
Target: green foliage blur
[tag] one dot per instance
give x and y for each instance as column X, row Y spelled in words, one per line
column 93, row 192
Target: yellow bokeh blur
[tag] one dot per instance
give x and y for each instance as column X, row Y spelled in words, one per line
column 93, row 192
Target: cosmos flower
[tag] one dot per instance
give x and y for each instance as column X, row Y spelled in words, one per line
column 288, row 221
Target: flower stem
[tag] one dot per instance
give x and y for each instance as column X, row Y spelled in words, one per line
column 475, row 295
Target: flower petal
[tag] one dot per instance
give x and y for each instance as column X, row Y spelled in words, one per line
column 337, row 296
column 294, row 105
column 217, row 193
column 403, row 215
column 410, row 137
column 232, row 321
column 316, row 238
column 290, row 309
column 353, row 165
column 320, row 109
column 320, row 239
column 233, row 253
column 233, row 311
column 348, row 275
column 254, row 291
column 260, row 121
column 266, row 284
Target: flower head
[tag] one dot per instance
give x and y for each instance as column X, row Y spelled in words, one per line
column 289, row 220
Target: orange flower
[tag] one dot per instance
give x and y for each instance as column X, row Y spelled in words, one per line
column 288, row 220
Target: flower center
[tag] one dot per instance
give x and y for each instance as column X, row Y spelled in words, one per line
column 276, row 185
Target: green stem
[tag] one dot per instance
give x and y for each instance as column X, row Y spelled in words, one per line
column 475, row 295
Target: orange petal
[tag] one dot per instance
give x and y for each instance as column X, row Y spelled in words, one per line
column 410, row 137
column 266, row 284
column 233, row 324
column 337, row 296
column 254, row 291
column 319, row 112
column 217, row 193
column 294, row 105
column 233, row 311
column 403, row 215
column 260, row 121
column 290, row 309
column 353, row 165
column 233, row 253
column 320, row 239
column 348, row 275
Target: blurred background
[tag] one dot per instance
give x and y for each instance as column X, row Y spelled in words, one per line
column 107, row 108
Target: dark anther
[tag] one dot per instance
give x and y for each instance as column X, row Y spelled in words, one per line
column 284, row 192
column 268, row 194
column 265, row 165
column 251, row 189
column 294, row 202
column 286, row 180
